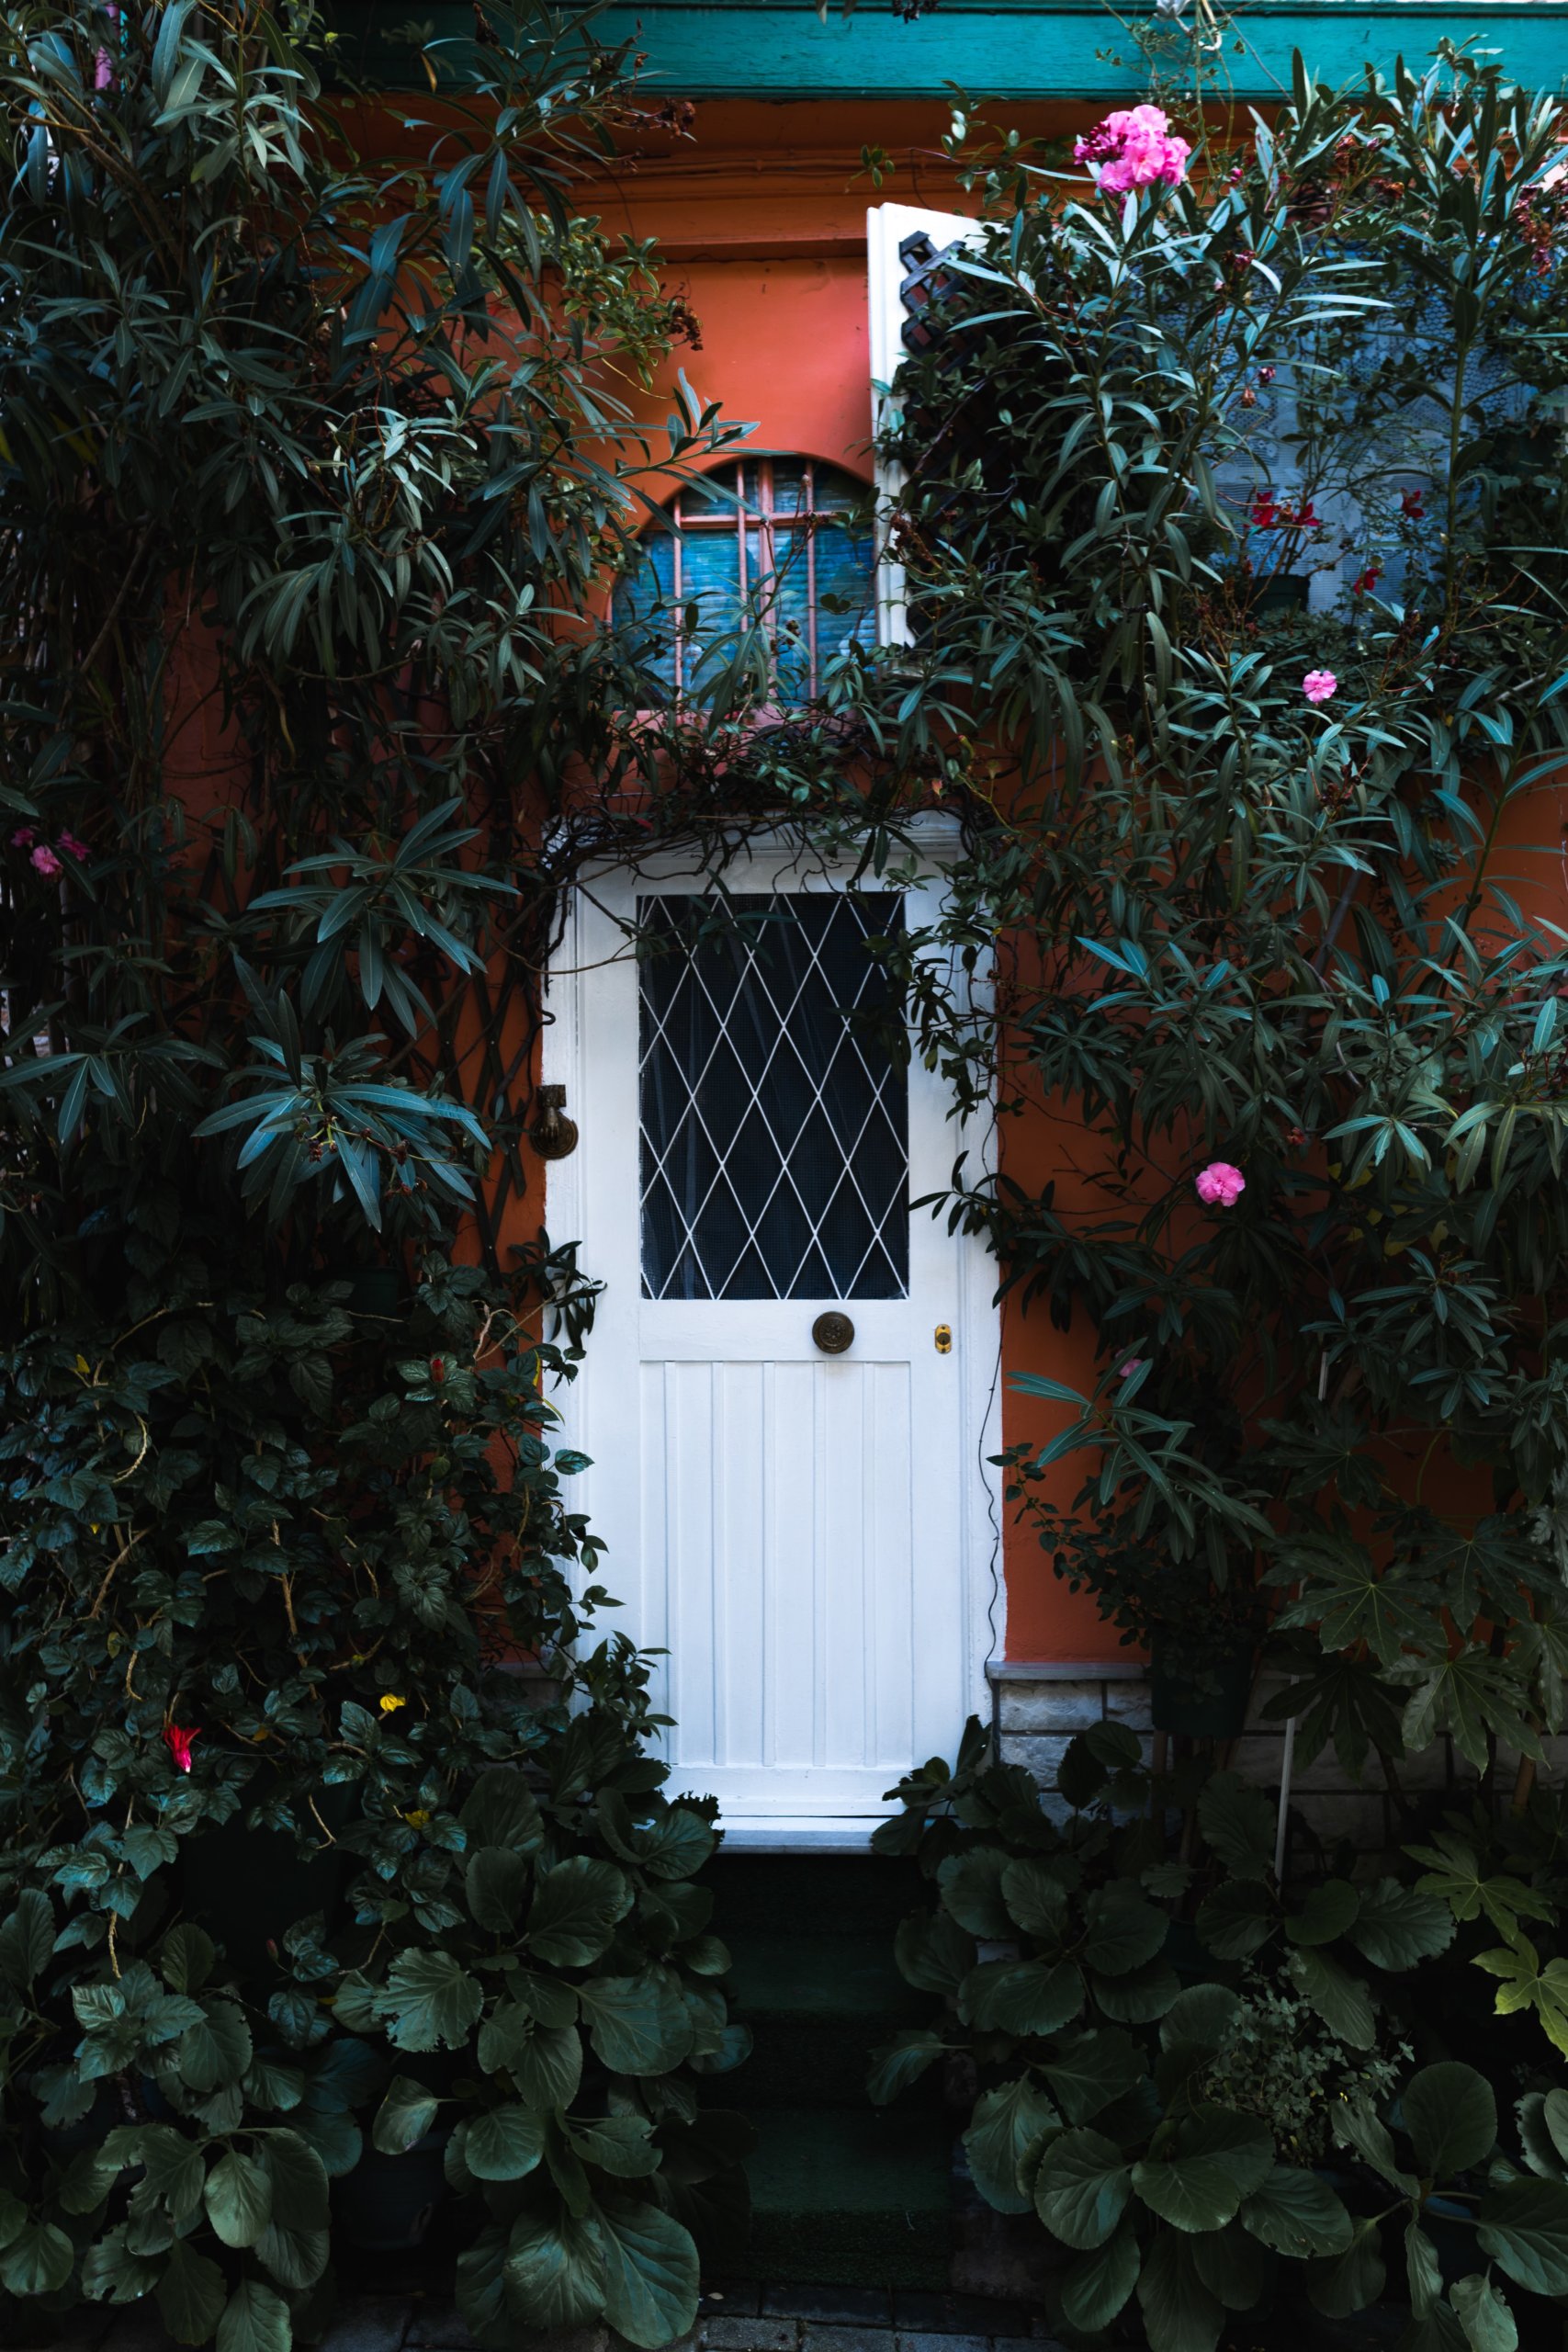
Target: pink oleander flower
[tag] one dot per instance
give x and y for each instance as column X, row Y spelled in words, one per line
column 1135, row 147
column 24, row 836
column 73, row 848
column 1220, row 1185
column 44, row 861
column 178, row 1742
column 1125, row 1371
column 1318, row 684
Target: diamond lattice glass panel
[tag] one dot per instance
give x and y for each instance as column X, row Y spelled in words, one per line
column 775, row 1159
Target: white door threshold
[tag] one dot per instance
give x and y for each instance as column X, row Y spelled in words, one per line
column 804, row 1833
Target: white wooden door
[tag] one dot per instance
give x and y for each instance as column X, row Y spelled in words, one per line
column 793, row 1527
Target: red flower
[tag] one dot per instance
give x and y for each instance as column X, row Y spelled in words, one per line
column 439, row 1368
column 1264, row 510
column 1267, row 375
column 178, row 1742
column 1365, row 579
column 1410, row 505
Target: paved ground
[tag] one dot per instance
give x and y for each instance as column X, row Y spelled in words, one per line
column 738, row 2319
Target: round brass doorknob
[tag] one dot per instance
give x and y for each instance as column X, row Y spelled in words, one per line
column 833, row 1332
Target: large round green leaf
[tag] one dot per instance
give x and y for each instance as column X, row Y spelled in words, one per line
column 1297, row 2213
column 191, row 2294
column 548, row 2066
column 676, row 1845
column 1399, row 1925
column 239, row 2198
column 1342, row 2283
column 1451, row 2117
column 554, row 2271
column 934, row 1953
column 295, row 2259
column 1023, row 1996
column 174, row 2167
column 256, row 2319
column 1524, row 2228
column 1327, row 1911
column 430, row 2000
column 404, row 2116
column 1095, row 2287
column 504, row 2142
column 216, row 2048
column 1093, row 2069
column 112, row 2274
column 1202, row 2015
column 650, row 2273
column 1340, row 2000
column 1140, row 1996
column 1237, row 1920
column 300, row 2192
column 1123, row 1931
column 185, row 1963
column 1179, row 2312
column 482, row 2287
column 1489, row 2325
column 1036, row 1901
column 1082, row 2188
column 1234, row 2267
column 26, row 1938
column 575, row 1911
column 502, row 1811
column 639, row 2025
column 37, row 2260
column 1238, row 1826
column 622, row 2145
column 493, row 1883
column 1009, row 2125
column 1221, row 2157
column 972, row 1891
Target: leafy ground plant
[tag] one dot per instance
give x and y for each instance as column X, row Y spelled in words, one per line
column 262, row 1577
column 1103, row 2029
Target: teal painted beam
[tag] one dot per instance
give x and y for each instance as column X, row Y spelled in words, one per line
column 1071, row 49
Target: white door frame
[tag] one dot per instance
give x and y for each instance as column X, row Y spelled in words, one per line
column 976, row 1338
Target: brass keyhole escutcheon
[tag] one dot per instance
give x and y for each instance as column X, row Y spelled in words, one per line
column 945, row 1339
column 833, row 1332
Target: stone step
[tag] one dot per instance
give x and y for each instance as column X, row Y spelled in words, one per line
column 855, row 2197
column 818, row 2061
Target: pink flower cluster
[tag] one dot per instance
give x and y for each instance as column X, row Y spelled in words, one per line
column 1319, row 685
column 1135, row 147
column 1220, row 1185
column 44, row 860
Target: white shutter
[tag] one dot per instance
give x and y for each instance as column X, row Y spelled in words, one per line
column 886, row 226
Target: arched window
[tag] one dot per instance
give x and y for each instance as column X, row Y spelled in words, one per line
column 782, row 537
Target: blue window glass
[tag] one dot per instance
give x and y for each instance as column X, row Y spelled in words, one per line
column 775, row 540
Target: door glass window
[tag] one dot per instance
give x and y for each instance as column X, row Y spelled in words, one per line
column 774, row 1127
